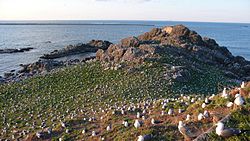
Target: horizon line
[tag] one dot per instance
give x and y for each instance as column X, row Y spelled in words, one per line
column 18, row 20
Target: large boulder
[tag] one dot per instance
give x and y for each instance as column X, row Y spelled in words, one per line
column 130, row 42
column 118, row 53
column 179, row 35
column 132, row 54
column 113, row 53
column 99, row 44
column 155, row 34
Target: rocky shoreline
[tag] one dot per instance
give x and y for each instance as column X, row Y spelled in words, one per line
column 2, row 51
column 91, row 46
column 178, row 42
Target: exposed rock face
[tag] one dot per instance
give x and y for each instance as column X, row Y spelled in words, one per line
column 130, row 42
column 117, row 53
column 178, row 41
column 15, row 50
column 41, row 66
column 92, row 46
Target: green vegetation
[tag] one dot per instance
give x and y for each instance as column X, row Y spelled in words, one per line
column 86, row 89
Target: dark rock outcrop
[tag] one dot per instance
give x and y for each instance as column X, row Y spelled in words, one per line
column 118, row 53
column 40, row 66
column 92, row 46
column 177, row 41
column 15, row 50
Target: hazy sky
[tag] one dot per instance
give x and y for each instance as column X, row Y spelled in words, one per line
column 180, row 10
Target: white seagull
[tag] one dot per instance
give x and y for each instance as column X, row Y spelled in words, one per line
column 238, row 100
column 137, row 124
column 200, row 116
column 188, row 117
column 224, row 93
column 242, row 85
column 140, row 138
column 227, row 132
column 184, row 130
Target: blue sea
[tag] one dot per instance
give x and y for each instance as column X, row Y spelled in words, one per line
column 46, row 36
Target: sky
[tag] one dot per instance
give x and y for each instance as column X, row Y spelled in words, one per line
column 166, row 10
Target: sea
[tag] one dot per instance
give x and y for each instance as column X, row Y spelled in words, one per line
column 46, row 36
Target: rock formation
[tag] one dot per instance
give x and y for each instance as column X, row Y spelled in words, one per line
column 92, row 46
column 177, row 41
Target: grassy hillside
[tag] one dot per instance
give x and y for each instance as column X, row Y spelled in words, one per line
column 86, row 90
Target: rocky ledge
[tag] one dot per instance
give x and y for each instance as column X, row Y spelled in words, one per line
column 181, row 44
column 92, row 46
column 2, row 51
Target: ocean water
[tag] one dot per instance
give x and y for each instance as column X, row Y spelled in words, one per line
column 46, row 36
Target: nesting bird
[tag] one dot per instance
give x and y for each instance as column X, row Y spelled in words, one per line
column 83, row 131
column 239, row 101
column 140, row 138
column 152, row 121
column 138, row 115
column 184, row 130
column 230, row 104
column 188, row 117
column 108, row 128
column 224, row 93
column 63, row 124
column 203, row 105
column 125, row 123
column 170, row 111
column 242, row 85
column 200, row 116
column 162, row 113
column 211, row 97
column 227, row 132
column 38, row 135
column 49, row 131
column 137, row 124
column 93, row 133
column 206, row 114
column 206, row 100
